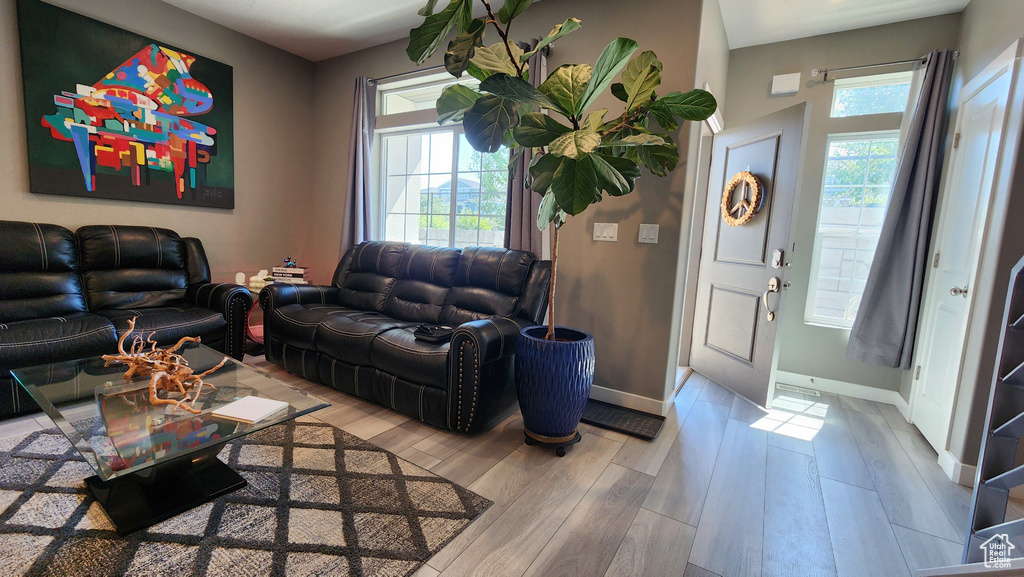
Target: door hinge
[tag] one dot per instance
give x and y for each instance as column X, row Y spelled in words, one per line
column 935, row 261
column 956, row 140
column 917, row 373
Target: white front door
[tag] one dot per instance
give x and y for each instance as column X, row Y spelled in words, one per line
column 956, row 250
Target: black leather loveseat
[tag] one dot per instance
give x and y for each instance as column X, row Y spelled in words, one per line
column 356, row 335
column 66, row 295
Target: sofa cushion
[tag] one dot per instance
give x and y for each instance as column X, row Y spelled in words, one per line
column 399, row 353
column 46, row 340
column 297, row 324
column 169, row 323
column 132, row 266
column 39, row 276
column 348, row 337
column 488, row 282
column 425, row 275
column 368, row 273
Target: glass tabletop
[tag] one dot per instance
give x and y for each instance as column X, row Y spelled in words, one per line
column 115, row 427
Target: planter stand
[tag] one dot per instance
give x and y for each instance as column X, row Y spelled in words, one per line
column 560, row 444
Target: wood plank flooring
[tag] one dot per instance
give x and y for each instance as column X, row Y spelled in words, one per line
column 819, row 486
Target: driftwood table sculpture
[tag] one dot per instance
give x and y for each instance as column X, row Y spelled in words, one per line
column 167, row 370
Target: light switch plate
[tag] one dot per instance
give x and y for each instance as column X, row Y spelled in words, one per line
column 649, row 233
column 606, row 231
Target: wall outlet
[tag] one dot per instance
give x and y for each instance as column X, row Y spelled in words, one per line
column 649, row 233
column 606, row 231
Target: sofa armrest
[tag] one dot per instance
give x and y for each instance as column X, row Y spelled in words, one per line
column 281, row 294
column 231, row 300
column 480, row 359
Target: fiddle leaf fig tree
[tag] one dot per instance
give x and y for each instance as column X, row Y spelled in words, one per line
column 579, row 154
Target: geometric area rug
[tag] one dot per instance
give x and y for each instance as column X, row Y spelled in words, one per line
column 319, row 502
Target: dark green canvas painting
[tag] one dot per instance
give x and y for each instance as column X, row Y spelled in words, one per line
column 115, row 115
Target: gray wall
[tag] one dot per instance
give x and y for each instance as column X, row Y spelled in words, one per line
column 621, row 292
column 805, row 349
column 988, row 28
column 273, row 112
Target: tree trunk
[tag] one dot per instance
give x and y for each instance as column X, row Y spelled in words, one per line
column 551, row 287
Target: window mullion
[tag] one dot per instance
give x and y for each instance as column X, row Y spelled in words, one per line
column 456, row 134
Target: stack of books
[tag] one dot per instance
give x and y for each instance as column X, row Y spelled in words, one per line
column 292, row 274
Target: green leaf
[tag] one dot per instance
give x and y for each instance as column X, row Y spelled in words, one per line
column 512, row 8
column 487, row 120
column 424, row 40
column 570, row 25
column 515, row 89
column 575, row 144
column 612, row 59
column 537, row 129
column 695, row 105
column 641, row 139
column 663, row 115
column 542, row 171
column 494, row 59
column 453, row 103
column 619, row 91
column 460, row 50
column 549, row 212
column 659, row 159
column 640, row 77
column 595, row 120
column 615, row 175
column 428, row 9
column 575, row 184
column 565, row 87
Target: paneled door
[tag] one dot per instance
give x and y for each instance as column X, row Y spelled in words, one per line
column 742, row 268
column 957, row 247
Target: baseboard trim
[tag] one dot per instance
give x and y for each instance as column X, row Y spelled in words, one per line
column 631, row 401
column 844, row 388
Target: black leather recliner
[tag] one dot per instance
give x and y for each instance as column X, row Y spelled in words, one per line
column 356, row 335
column 67, row 296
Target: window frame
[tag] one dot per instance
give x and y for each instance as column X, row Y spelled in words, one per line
column 870, row 81
column 820, row 234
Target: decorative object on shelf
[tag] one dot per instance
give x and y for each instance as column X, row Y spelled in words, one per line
column 290, row 272
column 166, row 370
column 739, row 213
column 574, row 162
column 290, row 262
column 260, row 280
column 114, row 115
column 240, row 278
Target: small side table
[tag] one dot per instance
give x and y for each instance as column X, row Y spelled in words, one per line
column 254, row 326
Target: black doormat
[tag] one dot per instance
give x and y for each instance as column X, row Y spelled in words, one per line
column 623, row 420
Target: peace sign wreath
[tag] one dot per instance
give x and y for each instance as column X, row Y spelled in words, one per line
column 750, row 206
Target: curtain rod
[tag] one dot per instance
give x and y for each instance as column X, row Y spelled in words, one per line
column 825, row 71
column 408, row 73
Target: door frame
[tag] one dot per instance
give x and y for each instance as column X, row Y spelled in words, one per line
column 1008, row 61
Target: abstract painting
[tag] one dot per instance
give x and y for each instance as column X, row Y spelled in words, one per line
column 114, row 115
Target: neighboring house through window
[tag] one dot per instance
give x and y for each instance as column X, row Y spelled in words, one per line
column 857, row 179
column 434, row 188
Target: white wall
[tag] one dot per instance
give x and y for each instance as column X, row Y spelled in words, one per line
column 273, row 115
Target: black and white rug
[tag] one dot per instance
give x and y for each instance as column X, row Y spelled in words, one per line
column 319, row 502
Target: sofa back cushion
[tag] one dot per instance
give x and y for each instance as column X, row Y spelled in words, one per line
column 126, row 267
column 488, row 282
column 367, row 274
column 425, row 276
column 39, row 274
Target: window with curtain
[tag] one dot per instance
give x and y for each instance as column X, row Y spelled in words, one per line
column 859, row 169
column 435, row 189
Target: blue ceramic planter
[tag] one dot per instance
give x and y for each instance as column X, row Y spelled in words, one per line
column 553, row 380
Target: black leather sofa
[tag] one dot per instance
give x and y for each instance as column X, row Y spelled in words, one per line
column 66, row 295
column 356, row 335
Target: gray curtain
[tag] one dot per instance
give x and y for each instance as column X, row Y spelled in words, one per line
column 522, row 203
column 886, row 325
column 356, row 221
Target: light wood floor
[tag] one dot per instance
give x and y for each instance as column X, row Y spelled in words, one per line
column 820, row 486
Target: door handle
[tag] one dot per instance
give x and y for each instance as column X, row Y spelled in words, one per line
column 957, row 291
column 773, row 287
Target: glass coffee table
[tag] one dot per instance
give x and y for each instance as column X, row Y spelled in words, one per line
column 153, row 462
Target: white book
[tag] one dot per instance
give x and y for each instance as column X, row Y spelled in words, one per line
column 250, row 409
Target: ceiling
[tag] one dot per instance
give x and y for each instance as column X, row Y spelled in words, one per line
column 321, row 29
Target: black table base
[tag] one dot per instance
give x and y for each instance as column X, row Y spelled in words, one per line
column 152, row 495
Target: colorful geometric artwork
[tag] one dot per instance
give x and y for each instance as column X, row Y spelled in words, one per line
column 156, row 126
